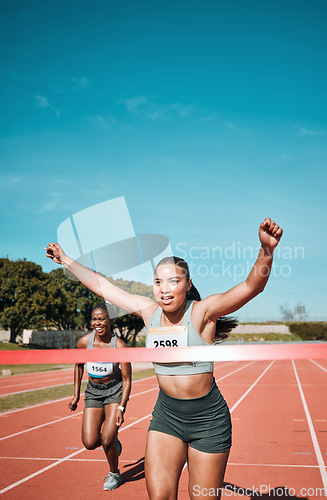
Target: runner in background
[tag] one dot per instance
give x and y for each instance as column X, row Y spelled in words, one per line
column 106, row 395
column 191, row 420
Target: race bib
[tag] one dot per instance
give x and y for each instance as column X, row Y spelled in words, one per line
column 99, row 370
column 167, row 336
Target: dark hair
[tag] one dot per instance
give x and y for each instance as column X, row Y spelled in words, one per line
column 224, row 325
column 103, row 307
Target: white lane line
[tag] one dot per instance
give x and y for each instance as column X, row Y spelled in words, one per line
column 32, row 390
column 242, row 464
column 79, row 413
column 124, row 428
column 65, row 418
column 35, row 374
column 232, row 373
column 40, row 426
column 313, row 361
column 58, row 462
column 315, row 443
column 250, row 388
column 9, row 412
column 58, row 400
column 20, row 384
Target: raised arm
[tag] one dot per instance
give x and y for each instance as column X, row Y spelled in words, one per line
column 221, row 304
column 99, row 284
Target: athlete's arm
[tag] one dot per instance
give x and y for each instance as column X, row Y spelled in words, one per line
column 98, row 284
column 126, row 371
column 78, row 375
column 221, row 304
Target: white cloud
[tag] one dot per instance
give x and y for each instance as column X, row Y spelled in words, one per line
column 82, row 82
column 134, row 105
column 141, row 105
column 41, row 101
column 305, row 131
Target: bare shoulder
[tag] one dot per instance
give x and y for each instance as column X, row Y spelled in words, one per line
column 202, row 307
column 202, row 310
column 83, row 341
column 120, row 343
column 205, row 326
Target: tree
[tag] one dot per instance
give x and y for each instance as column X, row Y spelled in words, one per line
column 286, row 312
column 30, row 298
column 22, row 297
column 129, row 325
column 68, row 303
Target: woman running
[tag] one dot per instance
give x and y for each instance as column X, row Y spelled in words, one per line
column 191, row 420
column 106, row 395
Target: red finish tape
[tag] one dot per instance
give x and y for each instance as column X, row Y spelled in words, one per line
column 187, row 354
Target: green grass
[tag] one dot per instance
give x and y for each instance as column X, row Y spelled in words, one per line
column 19, row 369
column 267, row 337
column 22, row 400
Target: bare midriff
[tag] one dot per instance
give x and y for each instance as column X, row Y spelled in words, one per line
column 186, row 386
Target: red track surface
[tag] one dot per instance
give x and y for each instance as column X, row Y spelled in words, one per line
column 279, row 437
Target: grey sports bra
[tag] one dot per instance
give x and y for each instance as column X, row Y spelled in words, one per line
column 97, row 369
column 193, row 339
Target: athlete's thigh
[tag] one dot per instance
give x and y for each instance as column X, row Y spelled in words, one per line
column 206, row 472
column 92, row 421
column 165, row 457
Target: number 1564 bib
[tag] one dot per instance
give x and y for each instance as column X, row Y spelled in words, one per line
column 167, row 336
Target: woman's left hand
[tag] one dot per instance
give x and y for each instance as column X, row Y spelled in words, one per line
column 119, row 417
column 270, row 233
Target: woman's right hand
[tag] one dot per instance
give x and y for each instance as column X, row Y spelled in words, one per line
column 55, row 252
column 73, row 404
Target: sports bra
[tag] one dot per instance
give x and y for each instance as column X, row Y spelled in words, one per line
column 98, row 369
column 193, row 339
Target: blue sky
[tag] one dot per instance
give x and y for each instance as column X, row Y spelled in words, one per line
column 206, row 116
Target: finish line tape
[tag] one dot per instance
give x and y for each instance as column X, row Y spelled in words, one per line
column 166, row 355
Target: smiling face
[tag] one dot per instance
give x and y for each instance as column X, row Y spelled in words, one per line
column 100, row 322
column 170, row 285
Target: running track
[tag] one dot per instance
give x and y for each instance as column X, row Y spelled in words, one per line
column 279, row 437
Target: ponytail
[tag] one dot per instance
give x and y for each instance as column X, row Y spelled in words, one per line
column 193, row 294
column 224, row 325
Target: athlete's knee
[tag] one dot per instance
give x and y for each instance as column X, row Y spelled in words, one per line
column 162, row 492
column 90, row 443
column 107, row 441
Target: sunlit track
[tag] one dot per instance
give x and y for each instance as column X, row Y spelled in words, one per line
column 35, row 381
column 315, row 362
column 320, row 460
column 72, row 415
column 250, row 388
column 58, row 462
column 266, row 408
column 230, row 464
column 33, row 390
column 79, row 413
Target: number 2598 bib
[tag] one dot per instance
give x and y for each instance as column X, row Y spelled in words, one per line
column 167, row 336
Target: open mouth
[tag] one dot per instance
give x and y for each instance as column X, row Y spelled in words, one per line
column 167, row 299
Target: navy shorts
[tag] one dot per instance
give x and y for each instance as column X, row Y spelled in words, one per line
column 99, row 395
column 204, row 423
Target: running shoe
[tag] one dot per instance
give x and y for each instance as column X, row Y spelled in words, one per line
column 113, row 481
